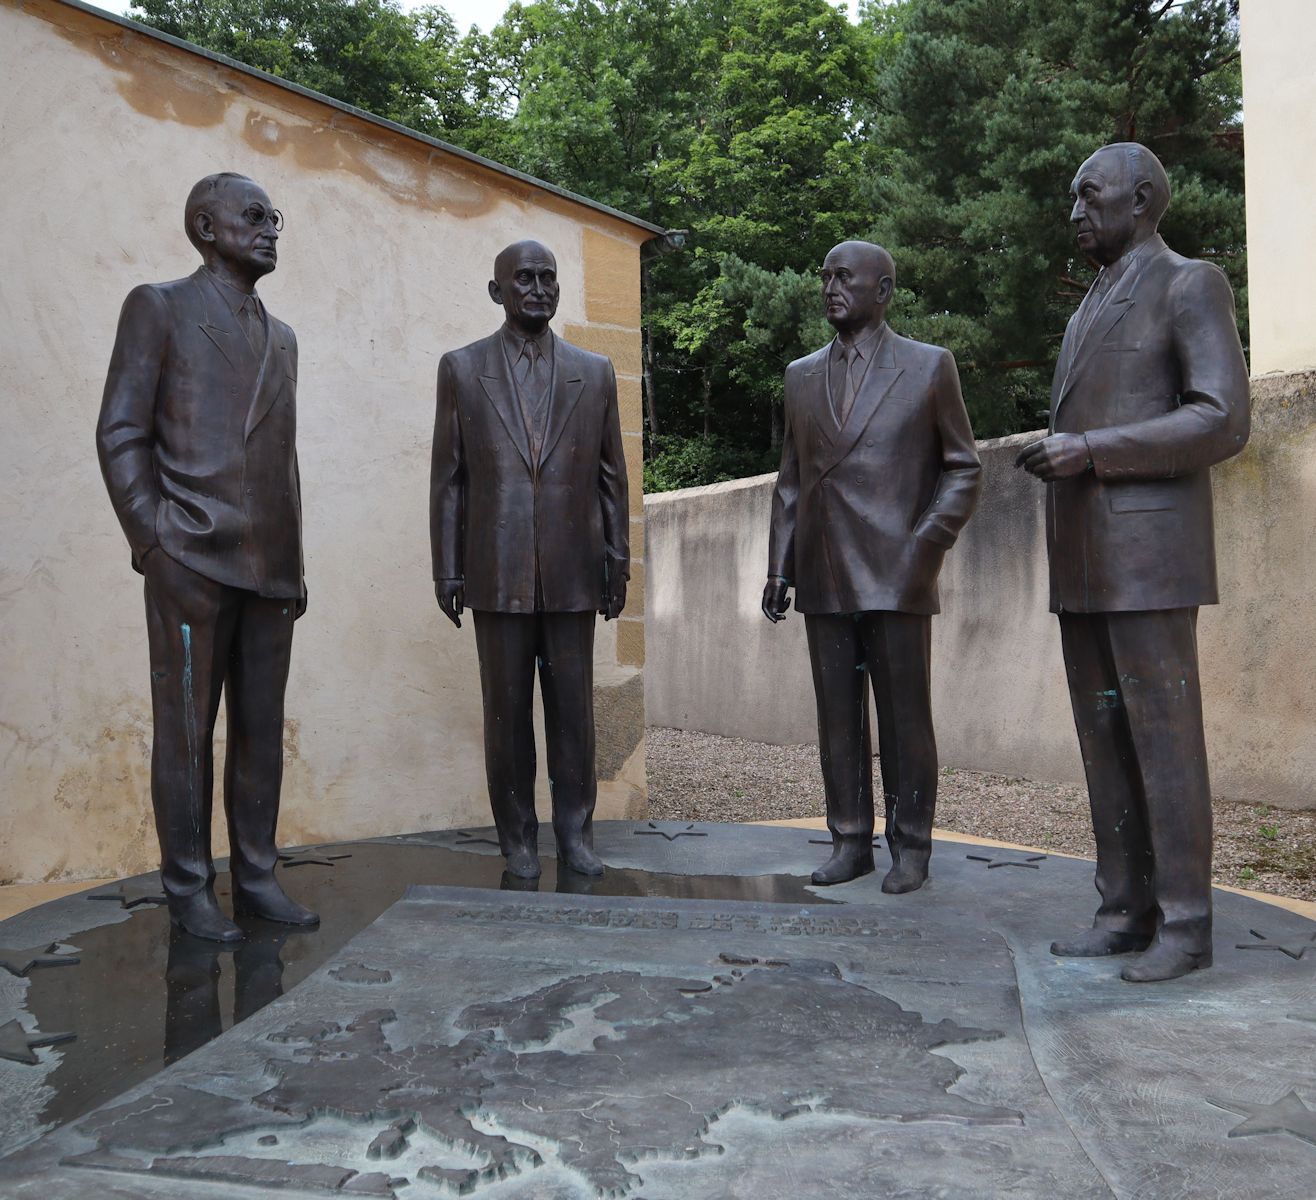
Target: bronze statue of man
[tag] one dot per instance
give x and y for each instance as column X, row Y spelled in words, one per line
column 1150, row 391
column 879, row 473
column 529, row 529
column 197, row 446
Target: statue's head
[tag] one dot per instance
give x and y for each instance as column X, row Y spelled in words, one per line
column 525, row 284
column 230, row 220
column 857, row 281
column 1120, row 195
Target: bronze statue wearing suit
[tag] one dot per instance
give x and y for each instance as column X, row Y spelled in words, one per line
column 1150, row 390
column 879, row 474
column 529, row 529
column 197, row 445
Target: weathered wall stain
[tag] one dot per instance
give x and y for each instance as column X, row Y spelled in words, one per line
column 164, row 83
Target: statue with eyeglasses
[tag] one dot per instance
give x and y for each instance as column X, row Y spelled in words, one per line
column 197, row 443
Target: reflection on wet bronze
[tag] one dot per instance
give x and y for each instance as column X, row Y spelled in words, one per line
column 192, row 973
column 529, row 529
column 1150, row 390
column 879, row 474
column 197, row 443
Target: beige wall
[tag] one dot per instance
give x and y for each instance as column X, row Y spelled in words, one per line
column 383, row 265
column 715, row 664
column 1279, row 86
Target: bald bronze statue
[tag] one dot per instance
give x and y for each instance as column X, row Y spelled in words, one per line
column 197, row 443
column 879, row 473
column 1150, row 390
column 529, row 528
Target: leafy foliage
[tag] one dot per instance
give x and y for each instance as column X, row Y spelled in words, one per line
column 993, row 105
column 772, row 129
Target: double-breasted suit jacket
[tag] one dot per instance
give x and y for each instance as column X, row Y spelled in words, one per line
column 197, row 438
column 516, row 527
column 863, row 514
column 1159, row 386
column 197, row 443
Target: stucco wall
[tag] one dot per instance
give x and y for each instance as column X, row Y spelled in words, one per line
column 383, row 264
column 715, row 664
column 1279, row 41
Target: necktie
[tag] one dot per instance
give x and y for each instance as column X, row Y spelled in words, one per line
column 253, row 326
column 851, row 359
column 532, row 378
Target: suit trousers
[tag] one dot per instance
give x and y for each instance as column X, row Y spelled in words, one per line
column 206, row 637
column 510, row 646
column 1137, row 702
column 893, row 650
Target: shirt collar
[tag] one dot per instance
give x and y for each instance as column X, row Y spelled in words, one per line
column 1122, row 265
column 866, row 345
column 235, row 298
column 515, row 341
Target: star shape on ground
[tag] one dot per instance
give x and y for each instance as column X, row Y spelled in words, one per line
column 137, row 900
column 470, row 839
column 1288, row 1114
column 653, row 830
column 1294, row 949
column 307, row 858
column 1000, row 860
column 16, row 1046
column 20, row 962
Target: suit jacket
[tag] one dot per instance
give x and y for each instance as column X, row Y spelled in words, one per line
column 863, row 515
column 503, row 521
column 1159, row 387
column 197, row 438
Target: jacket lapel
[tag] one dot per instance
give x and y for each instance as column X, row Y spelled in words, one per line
column 1116, row 307
column 496, row 379
column 879, row 377
column 563, row 395
column 269, row 382
column 219, row 325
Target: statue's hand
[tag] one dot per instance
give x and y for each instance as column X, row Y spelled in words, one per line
column 614, row 598
column 1060, row 456
column 451, row 595
column 775, row 600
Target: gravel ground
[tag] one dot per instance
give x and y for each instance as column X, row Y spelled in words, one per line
column 701, row 777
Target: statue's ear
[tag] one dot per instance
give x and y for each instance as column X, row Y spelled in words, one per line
column 1142, row 192
column 203, row 225
column 495, row 292
column 885, row 287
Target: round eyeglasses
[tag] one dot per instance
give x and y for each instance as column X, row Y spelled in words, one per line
column 258, row 214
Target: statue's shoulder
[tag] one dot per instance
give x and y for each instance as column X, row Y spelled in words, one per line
column 1194, row 280
column 473, row 353
column 909, row 352
column 809, row 362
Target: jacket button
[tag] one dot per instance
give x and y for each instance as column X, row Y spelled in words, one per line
column 250, row 492
column 824, row 483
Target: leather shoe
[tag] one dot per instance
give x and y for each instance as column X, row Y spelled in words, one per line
column 849, row 860
column 580, row 858
column 1163, row 962
column 1101, row 943
column 200, row 915
column 904, row 877
column 523, row 863
column 268, row 901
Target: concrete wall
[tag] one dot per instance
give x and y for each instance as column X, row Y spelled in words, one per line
column 1279, row 86
column 383, row 263
column 715, row 664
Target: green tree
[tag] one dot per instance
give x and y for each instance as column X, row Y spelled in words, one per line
column 993, row 104
column 410, row 68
